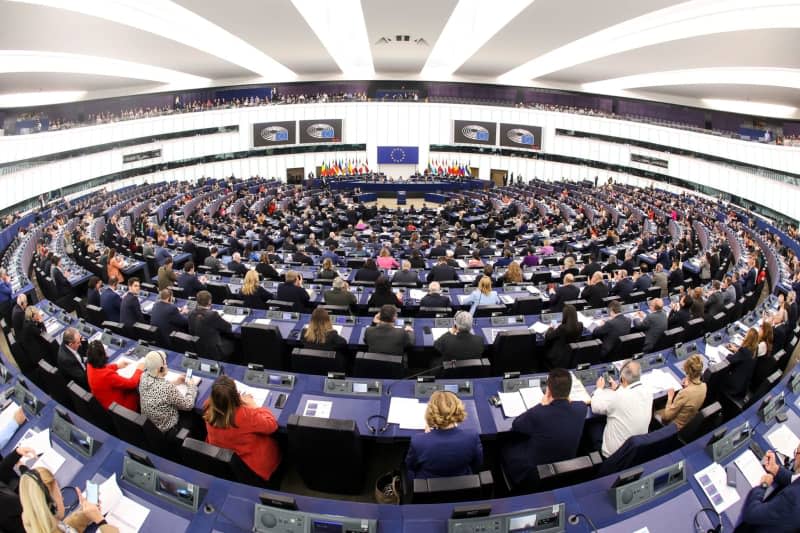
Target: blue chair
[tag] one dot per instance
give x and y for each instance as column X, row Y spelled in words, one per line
column 641, row 448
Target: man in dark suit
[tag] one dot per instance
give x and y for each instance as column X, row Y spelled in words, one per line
column 435, row 298
column 130, row 311
column 737, row 285
column 93, row 292
column 206, row 323
column 749, row 279
column 441, row 271
column 564, row 293
column 383, row 337
column 715, row 302
column 546, row 433
column 292, row 291
column 18, row 314
column 592, row 267
column 189, row 282
column 190, row 247
column 166, row 316
column 595, row 291
column 460, row 342
column 212, row 261
column 675, row 277
column 405, row 274
column 161, row 253
column 340, row 294
column 236, row 266
column 438, row 250
column 300, row 256
column 63, row 286
column 653, row 325
column 623, row 285
column 642, row 280
column 615, row 327
column 70, row 362
column 110, row 301
column 772, row 505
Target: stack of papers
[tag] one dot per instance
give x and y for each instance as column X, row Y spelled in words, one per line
column 51, row 326
column 129, row 370
column 259, row 395
column 750, row 467
column 539, row 327
column 716, row 354
column 713, row 480
column 408, row 413
column 417, row 294
column 48, row 457
column 263, row 321
column 578, row 392
column 438, row 332
column 233, row 319
column 318, row 408
column 506, row 299
column 121, row 512
column 533, row 290
column 516, row 403
column 783, row 440
column 659, row 380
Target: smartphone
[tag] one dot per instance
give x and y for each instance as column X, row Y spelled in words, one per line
column 92, row 495
column 188, row 374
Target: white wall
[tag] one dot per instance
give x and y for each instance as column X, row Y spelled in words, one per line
column 406, row 124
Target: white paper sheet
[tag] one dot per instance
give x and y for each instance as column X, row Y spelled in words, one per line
column 129, row 370
column 121, row 512
column 578, row 392
column 233, row 319
column 532, row 396
column 506, row 299
column 750, row 467
column 263, row 321
column 783, row 440
column 417, row 294
column 660, row 379
column 533, row 290
column 8, row 413
column 539, row 327
column 259, row 395
column 40, row 441
column 716, row 354
column 438, row 332
column 318, row 408
column 714, row 482
column 51, row 326
column 51, row 460
column 512, row 403
column 408, row 413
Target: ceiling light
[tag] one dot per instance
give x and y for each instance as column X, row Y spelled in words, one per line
column 39, row 61
column 172, row 21
column 751, row 108
column 471, row 24
column 341, row 29
column 39, row 98
column 764, row 76
column 681, row 21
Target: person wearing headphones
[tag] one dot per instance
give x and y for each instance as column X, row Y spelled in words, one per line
column 10, row 508
column 160, row 400
column 772, row 506
column 43, row 506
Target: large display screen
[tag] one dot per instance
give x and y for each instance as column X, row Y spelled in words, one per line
column 325, row 130
column 274, row 133
column 474, row 132
column 521, row 136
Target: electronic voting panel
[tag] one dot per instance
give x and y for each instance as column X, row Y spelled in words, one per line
column 274, row 520
column 542, row 520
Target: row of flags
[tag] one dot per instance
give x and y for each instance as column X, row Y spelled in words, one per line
column 449, row 168
column 344, row 167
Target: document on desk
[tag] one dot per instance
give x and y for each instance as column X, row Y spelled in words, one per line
column 129, row 370
column 121, row 512
column 318, row 408
column 438, row 332
column 417, row 294
column 172, row 377
column 263, row 321
column 259, row 395
column 148, row 306
column 507, row 299
column 51, row 326
column 516, row 403
column 714, row 482
column 8, row 413
column 578, row 392
column 533, row 290
column 783, row 440
column 233, row 319
column 716, row 354
column 750, row 467
column 408, row 413
column 539, row 327
column 660, row 379
column 48, row 457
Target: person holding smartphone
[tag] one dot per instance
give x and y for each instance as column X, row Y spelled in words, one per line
column 161, row 401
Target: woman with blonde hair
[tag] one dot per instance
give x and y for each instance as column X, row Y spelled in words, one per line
column 385, row 260
column 320, row 335
column 682, row 407
column 43, row 507
column 253, row 294
column 512, row 275
column 484, row 295
column 444, row 449
column 765, row 338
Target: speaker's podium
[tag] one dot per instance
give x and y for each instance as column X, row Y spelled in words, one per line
column 401, row 197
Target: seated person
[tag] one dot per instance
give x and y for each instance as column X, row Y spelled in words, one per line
column 547, row 433
column 405, row 274
column 212, row 261
column 383, row 295
column 565, row 293
column 612, row 329
column 253, row 294
column 236, row 266
column 386, row 261
column 557, row 339
column 595, row 291
column 383, row 337
column 44, row 512
column 320, row 335
column 300, row 256
column 368, row 272
column 106, row 384
column 628, row 407
column 93, row 294
column 292, row 290
column 460, row 342
column 434, row 298
column 161, row 401
column 441, row 271
column 166, row 316
column 339, row 294
column 70, row 361
column 681, row 408
column 206, row 323
column 623, row 285
column 483, row 296
column 772, row 505
column 444, row 449
column 513, row 274
column 734, row 378
column 327, row 271
column 235, row 422
column 265, row 269
column 654, row 324
column 130, row 310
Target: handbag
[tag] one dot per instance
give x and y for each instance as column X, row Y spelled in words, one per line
column 388, row 488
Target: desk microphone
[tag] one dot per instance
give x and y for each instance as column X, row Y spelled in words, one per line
column 443, row 364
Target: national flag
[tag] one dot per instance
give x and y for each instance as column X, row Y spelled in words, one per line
column 366, row 165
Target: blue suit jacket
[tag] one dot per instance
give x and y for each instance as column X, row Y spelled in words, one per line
column 547, row 433
column 167, row 318
column 779, row 513
column 130, row 311
column 110, row 301
column 444, row 453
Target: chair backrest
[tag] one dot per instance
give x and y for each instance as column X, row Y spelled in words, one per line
column 88, row 408
column 514, row 350
column 528, row 305
column 628, row 345
column 115, row 327
column 694, row 329
column 263, row 344
column 378, row 365
column 328, row 453
column 53, row 382
column 453, row 488
column 490, row 310
column 715, row 322
column 635, row 297
column 578, row 304
column 282, row 305
column 589, row 351
column 641, row 448
column 95, row 315
column 147, row 333
column 337, row 309
column 467, row 368
column 670, row 338
column 567, row 472
column 183, row 342
column 706, row 420
column 129, row 425
column 208, row 458
column 766, row 386
column 219, row 291
column 319, row 362
column 653, row 292
column 434, row 312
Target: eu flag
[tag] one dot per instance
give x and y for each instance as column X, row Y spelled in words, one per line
column 398, row 155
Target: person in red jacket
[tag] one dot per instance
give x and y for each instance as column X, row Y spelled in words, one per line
column 235, row 422
column 106, row 384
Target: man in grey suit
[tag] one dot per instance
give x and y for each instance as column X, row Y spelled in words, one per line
column 383, row 337
column 653, row 325
column 340, row 294
column 405, row 274
column 715, row 303
column 212, row 261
